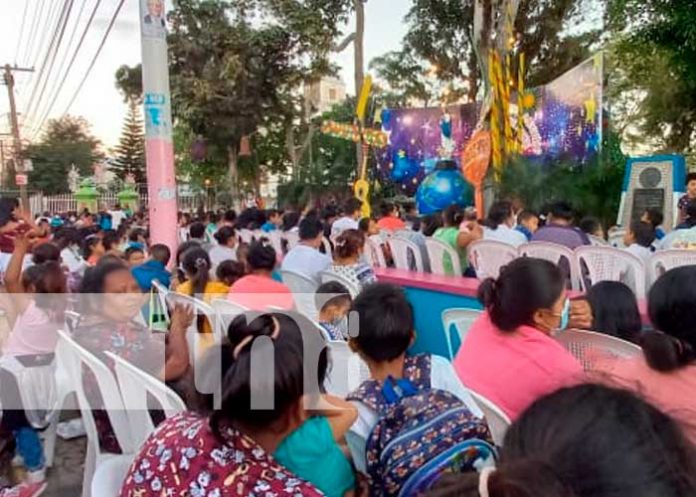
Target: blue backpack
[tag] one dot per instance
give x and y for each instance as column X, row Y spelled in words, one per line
column 422, row 433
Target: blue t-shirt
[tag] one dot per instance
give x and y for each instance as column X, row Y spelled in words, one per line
column 268, row 227
column 151, row 270
column 312, row 454
column 525, row 231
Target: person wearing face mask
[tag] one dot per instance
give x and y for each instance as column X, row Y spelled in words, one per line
column 333, row 301
column 499, row 225
column 509, row 355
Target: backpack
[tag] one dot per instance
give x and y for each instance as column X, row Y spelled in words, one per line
column 422, row 433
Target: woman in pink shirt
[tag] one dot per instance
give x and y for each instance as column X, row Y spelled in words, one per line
column 258, row 290
column 509, row 356
column 666, row 374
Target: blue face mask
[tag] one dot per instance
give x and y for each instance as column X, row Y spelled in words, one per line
column 565, row 316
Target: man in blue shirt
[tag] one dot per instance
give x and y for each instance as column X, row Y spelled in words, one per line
column 273, row 220
column 154, row 269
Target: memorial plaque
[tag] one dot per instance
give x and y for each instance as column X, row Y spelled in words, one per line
column 652, row 182
column 647, row 198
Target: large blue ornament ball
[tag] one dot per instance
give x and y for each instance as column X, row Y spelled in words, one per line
column 443, row 188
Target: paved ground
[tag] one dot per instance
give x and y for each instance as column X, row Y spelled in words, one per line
column 65, row 477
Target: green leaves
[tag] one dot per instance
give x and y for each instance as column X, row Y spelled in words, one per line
column 130, row 152
column 67, row 141
column 654, row 51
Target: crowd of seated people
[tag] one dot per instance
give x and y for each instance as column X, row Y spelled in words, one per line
column 375, row 440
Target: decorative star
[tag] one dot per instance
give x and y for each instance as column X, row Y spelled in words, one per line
column 402, row 153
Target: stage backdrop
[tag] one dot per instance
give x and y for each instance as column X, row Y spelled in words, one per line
column 564, row 120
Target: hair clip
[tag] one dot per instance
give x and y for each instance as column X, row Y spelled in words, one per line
column 250, row 338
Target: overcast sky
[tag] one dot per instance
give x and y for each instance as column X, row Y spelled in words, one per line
column 99, row 102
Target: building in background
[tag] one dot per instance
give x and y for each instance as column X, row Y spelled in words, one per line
column 321, row 95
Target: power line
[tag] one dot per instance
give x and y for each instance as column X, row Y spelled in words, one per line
column 21, row 29
column 47, row 55
column 49, row 21
column 96, row 55
column 56, row 92
column 55, row 53
column 33, row 35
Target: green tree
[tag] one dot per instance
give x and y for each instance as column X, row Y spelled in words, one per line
column 593, row 189
column 655, row 53
column 129, row 156
column 67, row 141
column 234, row 64
column 129, row 81
column 554, row 35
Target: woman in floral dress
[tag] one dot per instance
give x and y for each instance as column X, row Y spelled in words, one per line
column 228, row 453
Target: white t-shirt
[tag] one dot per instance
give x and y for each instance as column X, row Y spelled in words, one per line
column 343, row 224
column 72, row 260
column 505, row 234
column 442, row 377
column 219, row 254
column 117, row 218
column 642, row 252
column 307, row 261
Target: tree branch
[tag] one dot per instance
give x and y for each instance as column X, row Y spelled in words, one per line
column 344, row 44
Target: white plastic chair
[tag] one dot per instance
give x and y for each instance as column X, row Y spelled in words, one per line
column 135, row 386
column 437, row 251
column 665, row 260
column 303, row 290
column 588, row 346
column 162, row 292
column 347, row 372
column 292, row 238
column 612, row 264
column 350, row 286
column 73, row 357
column 404, row 251
column 498, row 422
column 198, row 342
column 226, row 311
column 275, row 239
column 461, row 319
column 110, row 475
column 374, row 253
column 489, row 256
column 555, row 253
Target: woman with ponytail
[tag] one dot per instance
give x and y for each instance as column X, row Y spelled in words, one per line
column 666, row 374
column 229, row 452
column 587, row 441
column 196, row 264
column 259, row 290
column 509, row 355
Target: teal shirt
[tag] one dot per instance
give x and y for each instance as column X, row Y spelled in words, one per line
column 311, row 453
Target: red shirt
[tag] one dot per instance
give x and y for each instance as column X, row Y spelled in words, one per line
column 184, row 458
column 391, row 223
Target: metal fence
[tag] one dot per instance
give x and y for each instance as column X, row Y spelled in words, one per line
column 187, row 200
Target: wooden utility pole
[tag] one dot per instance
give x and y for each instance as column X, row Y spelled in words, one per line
column 18, row 155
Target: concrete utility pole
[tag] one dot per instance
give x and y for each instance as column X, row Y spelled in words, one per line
column 19, row 160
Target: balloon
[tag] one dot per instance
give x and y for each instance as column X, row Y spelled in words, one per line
column 443, row 187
